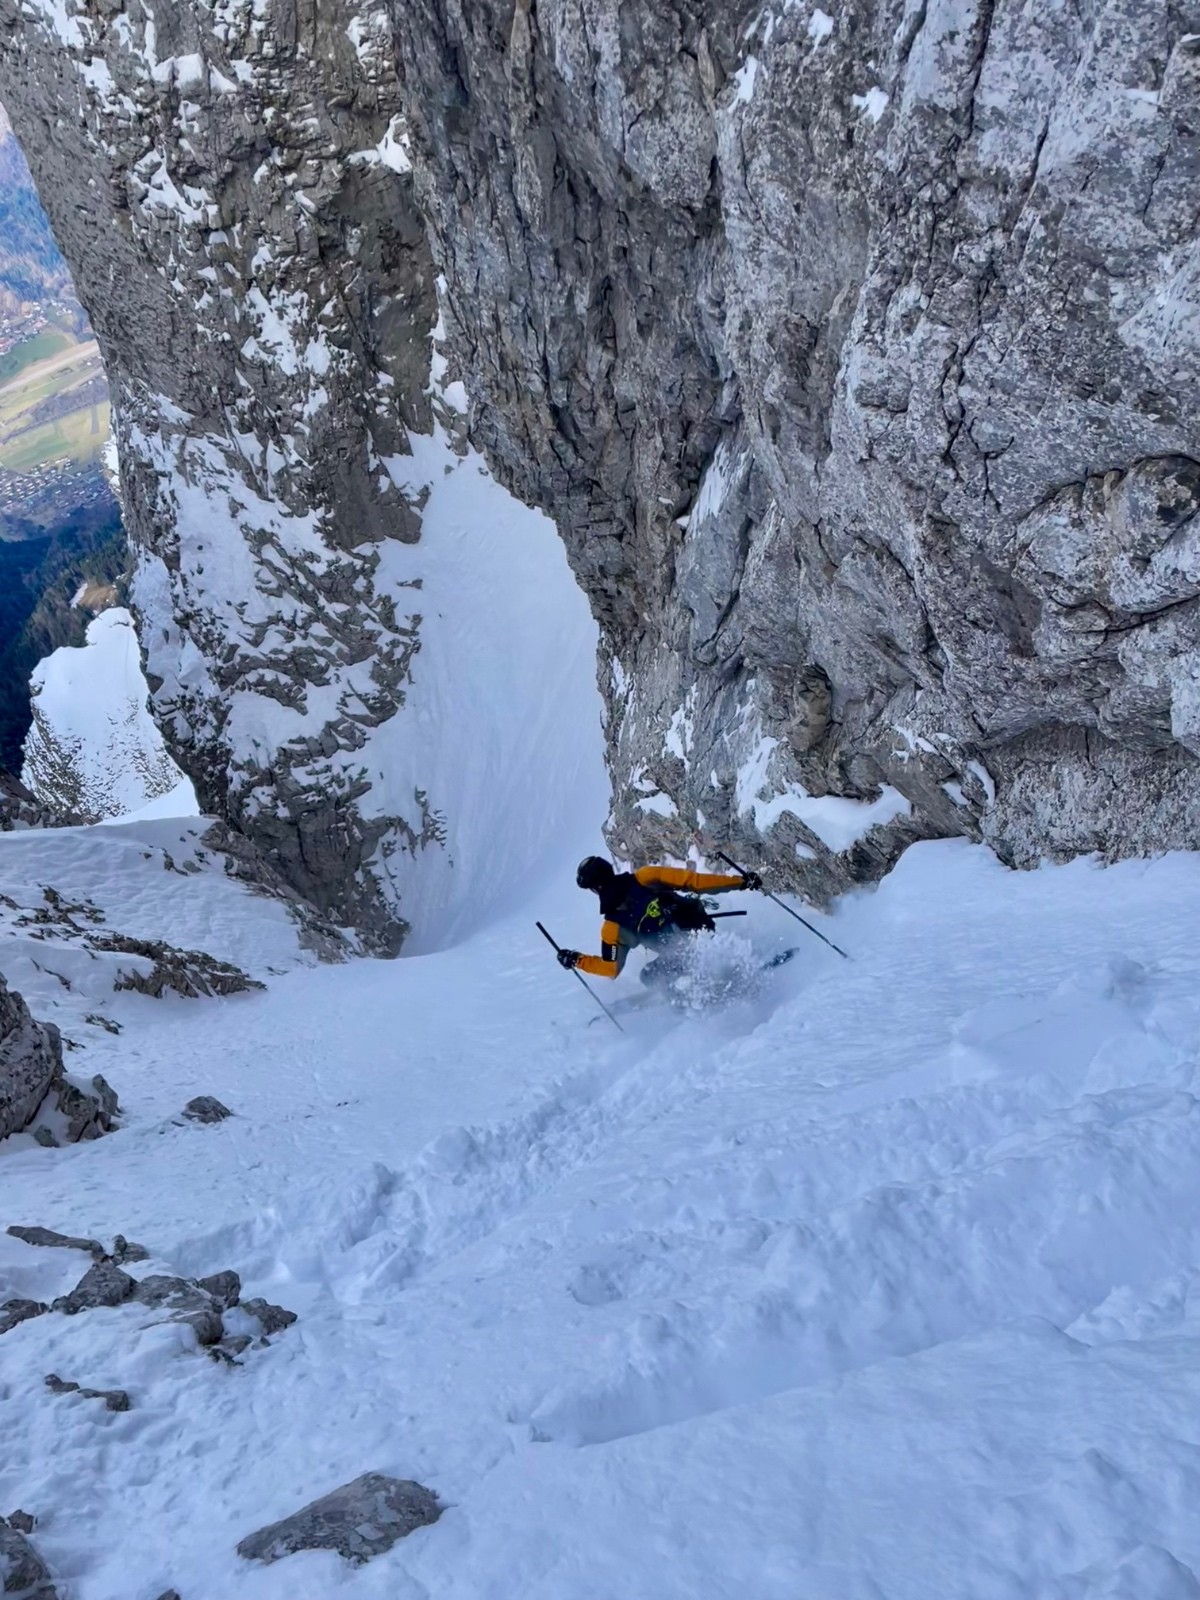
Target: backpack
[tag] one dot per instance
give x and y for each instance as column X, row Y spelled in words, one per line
column 645, row 910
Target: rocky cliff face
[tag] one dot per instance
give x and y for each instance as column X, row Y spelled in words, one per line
column 854, row 352
column 226, row 182
column 30, row 1062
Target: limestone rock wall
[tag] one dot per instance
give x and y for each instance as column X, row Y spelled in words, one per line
column 854, row 351
column 229, row 184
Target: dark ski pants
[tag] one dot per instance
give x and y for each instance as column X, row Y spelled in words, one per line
column 672, row 951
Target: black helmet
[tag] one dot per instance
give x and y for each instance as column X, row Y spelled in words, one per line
column 594, row 872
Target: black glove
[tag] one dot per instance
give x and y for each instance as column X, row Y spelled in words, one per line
column 751, row 880
column 569, row 959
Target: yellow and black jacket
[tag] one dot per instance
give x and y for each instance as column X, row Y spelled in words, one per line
column 619, row 937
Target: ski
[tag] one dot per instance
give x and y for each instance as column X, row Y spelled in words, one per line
column 630, row 1002
column 779, row 960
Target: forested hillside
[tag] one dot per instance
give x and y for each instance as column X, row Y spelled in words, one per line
column 39, row 577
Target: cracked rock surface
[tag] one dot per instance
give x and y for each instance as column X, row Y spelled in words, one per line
column 26, row 1576
column 30, row 1061
column 855, row 355
column 360, row 1520
column 247, row 202
column 224, row 1324
column 32, row 1078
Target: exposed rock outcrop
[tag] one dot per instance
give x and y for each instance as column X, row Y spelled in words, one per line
column 855, row 355
column 32, row 1079
column 19, row 808
column 206, row 1108
column 30, row 1062
column 191, row 973
column 360, row 1520
column 26, row 1576
column 223, row 1323
column 114, row 1399
column 265, row 301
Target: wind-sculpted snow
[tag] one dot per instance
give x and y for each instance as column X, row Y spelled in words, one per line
column 789, row 1297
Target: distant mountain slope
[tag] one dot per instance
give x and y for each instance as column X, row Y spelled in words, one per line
column 93, row 751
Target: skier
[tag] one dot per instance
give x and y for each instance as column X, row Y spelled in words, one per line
column 646, row 907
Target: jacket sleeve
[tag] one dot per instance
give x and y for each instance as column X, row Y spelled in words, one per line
column 612, row 955
column 681, row 878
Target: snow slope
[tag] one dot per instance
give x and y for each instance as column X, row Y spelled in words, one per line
column 150, row 878
column 94, row 750
column 876, row 1286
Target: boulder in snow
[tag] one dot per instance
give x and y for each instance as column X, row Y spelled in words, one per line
column 123, row 1249
column 25, row 1574
column 14, row 1311
column 102, row 1285
column 273, row 1319
column 127, row 1250
column 89, row 1112
column 114, row 1399
column 206, row 1108
column 188, row 1301
column 161, row 1289
column 56, row 1241
column 360, row 1520
column 224, row 1287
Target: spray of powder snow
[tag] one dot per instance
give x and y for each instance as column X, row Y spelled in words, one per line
column 716, row 968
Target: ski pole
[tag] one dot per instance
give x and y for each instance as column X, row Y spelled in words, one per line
column 585, row 983
column 715, row 914
column 721, row 856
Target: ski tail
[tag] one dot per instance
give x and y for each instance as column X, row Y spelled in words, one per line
column 779, row 960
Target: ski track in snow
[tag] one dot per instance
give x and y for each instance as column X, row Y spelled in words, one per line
column 875, row 1286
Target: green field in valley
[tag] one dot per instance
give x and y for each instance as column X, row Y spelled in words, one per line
column 42, row 374
column 49, row 342
column 78, row 437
